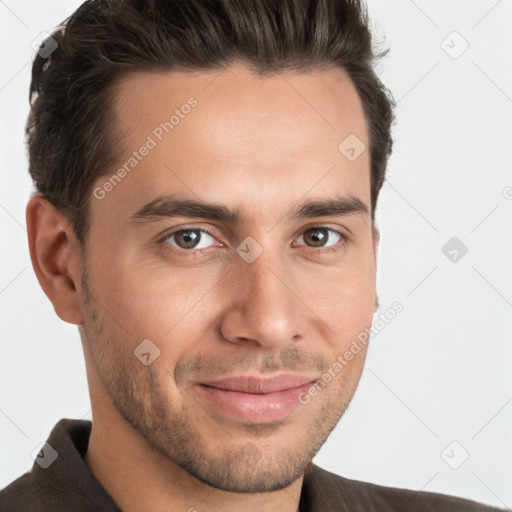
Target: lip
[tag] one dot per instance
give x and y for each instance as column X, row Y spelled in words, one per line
column 254, row 399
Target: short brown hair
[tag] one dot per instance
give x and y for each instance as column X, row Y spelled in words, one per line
column 71, row 132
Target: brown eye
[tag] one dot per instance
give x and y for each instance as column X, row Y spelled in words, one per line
column 189, row 239
column 317, row 237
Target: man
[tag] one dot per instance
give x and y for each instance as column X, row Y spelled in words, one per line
column 213, row 237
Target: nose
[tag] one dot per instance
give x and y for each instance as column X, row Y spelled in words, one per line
column 268, row 306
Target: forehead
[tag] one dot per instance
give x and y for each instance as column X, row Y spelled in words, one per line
column 256, row 135
column 233, row 100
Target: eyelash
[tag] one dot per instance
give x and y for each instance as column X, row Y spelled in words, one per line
column 194, row 253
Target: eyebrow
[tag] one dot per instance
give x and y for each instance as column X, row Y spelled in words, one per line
column 164, row 207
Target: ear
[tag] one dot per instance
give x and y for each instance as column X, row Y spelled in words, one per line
column 56, row 257
column 376, row 239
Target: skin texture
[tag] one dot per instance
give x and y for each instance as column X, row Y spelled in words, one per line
column 262, row 145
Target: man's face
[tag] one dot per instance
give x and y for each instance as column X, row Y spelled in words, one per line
column 272, row 294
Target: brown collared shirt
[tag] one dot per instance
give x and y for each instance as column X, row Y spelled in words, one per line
column 60, row 481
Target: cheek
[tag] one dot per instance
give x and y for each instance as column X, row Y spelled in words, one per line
column 346, row 296
column 150, row 297
column 346, row 304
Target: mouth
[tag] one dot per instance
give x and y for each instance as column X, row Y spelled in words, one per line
column 256, row 400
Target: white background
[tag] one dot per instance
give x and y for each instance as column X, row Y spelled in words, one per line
column 441, row 371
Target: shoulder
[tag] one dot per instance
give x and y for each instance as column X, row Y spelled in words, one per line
column 61, row 483
column 24, row 494
column 328, row 489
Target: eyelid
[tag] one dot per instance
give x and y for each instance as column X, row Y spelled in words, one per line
column 341, row 230
column 345, row 238
column 207, row 230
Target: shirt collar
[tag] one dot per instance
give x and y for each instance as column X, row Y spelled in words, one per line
column 321, row 490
